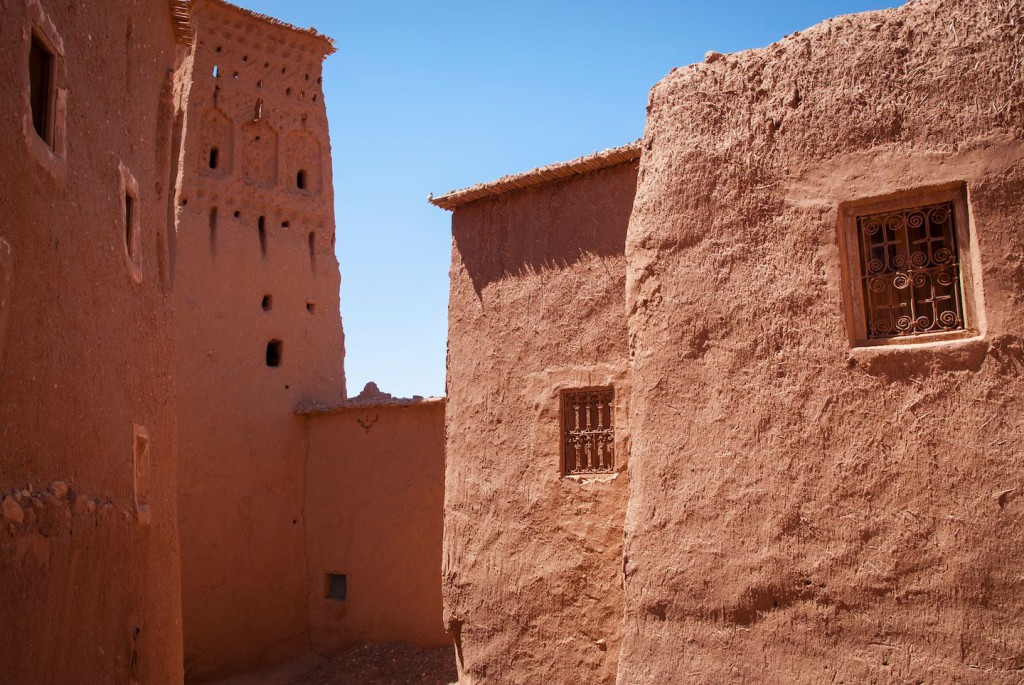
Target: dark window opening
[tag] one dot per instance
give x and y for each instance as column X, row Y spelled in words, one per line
column 312, row 249
column 237, row 214
column 268, row 302
column 40, row 69
column 275, row 348
column 311, row 306
column 258, row 109
column 336, row 586
column 214, row 157
column 286, row 224
column 300, row 179
column 262, row 223
column 259, row 84
column 245, row 58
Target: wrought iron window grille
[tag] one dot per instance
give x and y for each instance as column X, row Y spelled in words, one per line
column 588, row 431
column 910, row 271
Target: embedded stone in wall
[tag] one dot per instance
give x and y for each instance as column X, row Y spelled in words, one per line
column 259, row 152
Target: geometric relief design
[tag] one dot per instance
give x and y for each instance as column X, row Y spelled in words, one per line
column 588, row 431
column 301, row 152
column 259, row 152
column 911, row 274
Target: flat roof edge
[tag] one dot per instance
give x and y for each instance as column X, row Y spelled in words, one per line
column 539, row 176
column 319, row 409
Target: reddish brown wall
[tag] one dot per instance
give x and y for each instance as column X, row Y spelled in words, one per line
column 242, row 483
column 373, row 509
column 532, row 561
column 801, row 509
column 89, row 588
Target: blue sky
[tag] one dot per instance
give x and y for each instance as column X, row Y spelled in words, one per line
column 429, row 96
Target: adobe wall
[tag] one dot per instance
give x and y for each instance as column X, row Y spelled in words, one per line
column 89, row 566
column 532, row 560
column 373, row 509
column 803, row 509
column 242, row 484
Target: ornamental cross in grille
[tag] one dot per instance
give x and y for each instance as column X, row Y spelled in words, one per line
column 588, row 440
column 911, row 273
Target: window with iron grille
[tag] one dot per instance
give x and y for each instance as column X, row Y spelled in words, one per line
column 588, row 431
column 909, row 270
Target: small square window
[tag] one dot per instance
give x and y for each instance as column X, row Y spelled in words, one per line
column 336, row 586
column 588, row 431
column 906, row 269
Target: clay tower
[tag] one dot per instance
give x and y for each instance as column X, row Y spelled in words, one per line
column 258, row 331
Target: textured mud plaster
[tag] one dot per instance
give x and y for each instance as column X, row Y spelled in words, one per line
column 533, row 561
column 88, row 591
column 802, row 511
column 374, row 500
column 244, row 231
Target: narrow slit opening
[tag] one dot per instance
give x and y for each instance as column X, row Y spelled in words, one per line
column 40, row 68
column 213, row 229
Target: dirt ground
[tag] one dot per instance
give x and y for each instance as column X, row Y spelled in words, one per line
column 392, row 664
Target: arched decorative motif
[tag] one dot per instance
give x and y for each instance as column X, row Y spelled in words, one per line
column 302, row 160
column 259, row 152
column 216, row 135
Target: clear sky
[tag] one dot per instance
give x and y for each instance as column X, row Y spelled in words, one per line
column 430, row 96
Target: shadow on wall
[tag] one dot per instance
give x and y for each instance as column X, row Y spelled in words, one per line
column 546, row 227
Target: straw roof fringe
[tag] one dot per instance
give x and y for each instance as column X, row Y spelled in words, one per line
column 182, row 21
column 538, row 176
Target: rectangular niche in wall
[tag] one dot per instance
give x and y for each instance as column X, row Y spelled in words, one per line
column 336, row 586
column 588, row 431
column 907, row 271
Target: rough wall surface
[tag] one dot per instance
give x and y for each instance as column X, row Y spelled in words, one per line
column 802, row 511
column 255, row 265
column 89, row 566
column 374, row 500
column 532, row 561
